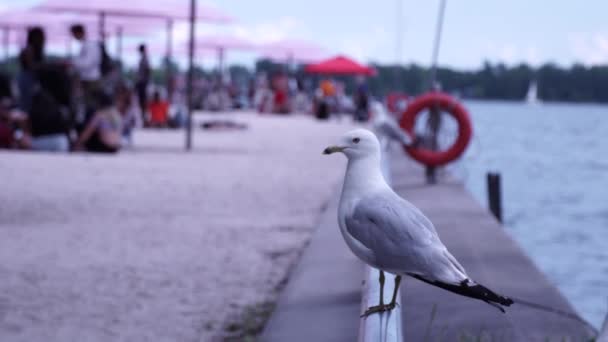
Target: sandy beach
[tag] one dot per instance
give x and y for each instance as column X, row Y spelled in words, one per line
column 156, row 244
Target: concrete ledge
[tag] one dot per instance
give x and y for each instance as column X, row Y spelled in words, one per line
column 322, row 299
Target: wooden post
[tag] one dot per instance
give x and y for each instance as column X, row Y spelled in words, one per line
column 494, row 195
column 433, row 126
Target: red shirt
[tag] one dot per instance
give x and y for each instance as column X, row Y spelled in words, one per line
column 159, row 112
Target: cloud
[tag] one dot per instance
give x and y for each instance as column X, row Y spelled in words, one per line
column 589, row 48
column 366, row 46
column 262, row 32
column 269, row 31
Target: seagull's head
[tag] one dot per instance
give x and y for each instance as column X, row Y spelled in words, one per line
column 356, row 144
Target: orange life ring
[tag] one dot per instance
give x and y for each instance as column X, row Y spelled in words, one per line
column 447, row 104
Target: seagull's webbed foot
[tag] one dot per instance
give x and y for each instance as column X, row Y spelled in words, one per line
column 379, row 308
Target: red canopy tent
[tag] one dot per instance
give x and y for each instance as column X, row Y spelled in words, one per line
column 340, row 65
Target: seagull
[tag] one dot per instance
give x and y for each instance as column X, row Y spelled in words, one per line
column 389, row 233
column 386, row 125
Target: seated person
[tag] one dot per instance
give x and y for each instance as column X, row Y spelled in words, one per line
column 103, row 132
column 126, row 109
column 14, row 126
column 13, row 129
column 49, row 116
column 159, row 111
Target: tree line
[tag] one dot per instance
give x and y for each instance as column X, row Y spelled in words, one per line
column 500, row 82
column 577, row 83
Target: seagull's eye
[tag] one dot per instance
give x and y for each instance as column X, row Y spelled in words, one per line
column 356, row 140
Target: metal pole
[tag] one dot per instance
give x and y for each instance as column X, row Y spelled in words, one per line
column 290, row 62
column 438, row 30
column 399, row 35
column 190, row 74
column 169, row 57
column 220, row 78
column 494, row 195
column 119, row 33
column 102, row 27
column 434, row 121
column 6, row 42
column 220, row 61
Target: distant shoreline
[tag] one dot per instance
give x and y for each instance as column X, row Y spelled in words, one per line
column 539, row 104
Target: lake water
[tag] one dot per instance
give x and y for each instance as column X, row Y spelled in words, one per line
column 553, row 159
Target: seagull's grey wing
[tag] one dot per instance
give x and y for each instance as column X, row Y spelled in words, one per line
column 382, row 221
column 401, row 237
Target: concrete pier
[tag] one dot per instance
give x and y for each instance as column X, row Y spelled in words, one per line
column 156, row 244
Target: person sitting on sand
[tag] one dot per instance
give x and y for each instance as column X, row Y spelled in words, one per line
column 159, row 111
column 103, row 133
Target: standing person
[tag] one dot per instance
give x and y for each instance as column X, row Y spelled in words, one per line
column 327, row 94
column 142, row 80
column 88, row 66
column 361, row 100
column 31, row 59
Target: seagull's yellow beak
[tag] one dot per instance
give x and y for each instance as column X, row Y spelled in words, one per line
column 332, row 149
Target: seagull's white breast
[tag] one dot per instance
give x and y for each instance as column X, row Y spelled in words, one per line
column 347, row 206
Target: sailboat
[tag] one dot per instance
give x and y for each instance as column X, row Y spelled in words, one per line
column 532, row 95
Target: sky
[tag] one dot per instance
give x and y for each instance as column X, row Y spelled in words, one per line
column 511, row 32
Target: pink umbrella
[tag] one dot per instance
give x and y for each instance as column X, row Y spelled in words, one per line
column 61, row 22
column 221, row 43
column 159, row 9
column 293, row 50
column 143, row 10
column 167, row 10
column 57, row 25
column 224, row 42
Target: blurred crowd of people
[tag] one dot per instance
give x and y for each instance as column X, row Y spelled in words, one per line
column 85, row 103
column 77, row 104
column 281, row 93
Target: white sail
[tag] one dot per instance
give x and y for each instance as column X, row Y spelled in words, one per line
column 532, row 95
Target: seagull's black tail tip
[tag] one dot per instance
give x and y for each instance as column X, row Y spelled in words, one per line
column 483, row 293
column 476, row 291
